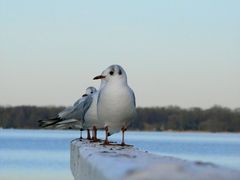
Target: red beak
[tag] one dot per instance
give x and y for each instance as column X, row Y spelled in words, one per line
column 99, row 77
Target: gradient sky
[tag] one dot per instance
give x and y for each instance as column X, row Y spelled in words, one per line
column 184, row 53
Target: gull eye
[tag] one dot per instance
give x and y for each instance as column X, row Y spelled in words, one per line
column 120, row 72
column 111, row 73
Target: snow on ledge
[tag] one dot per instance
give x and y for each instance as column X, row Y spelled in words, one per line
column 92, row 161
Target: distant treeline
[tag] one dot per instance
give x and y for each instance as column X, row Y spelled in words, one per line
column 215, row 119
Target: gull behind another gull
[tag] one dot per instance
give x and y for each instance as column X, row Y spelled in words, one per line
column 91, row 120
column 72, row 116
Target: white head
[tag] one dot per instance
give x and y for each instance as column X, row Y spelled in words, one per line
column 103, row 82
column 114, row 73
column 90, row 90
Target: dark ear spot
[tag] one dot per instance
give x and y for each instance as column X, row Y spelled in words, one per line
column 120, row 72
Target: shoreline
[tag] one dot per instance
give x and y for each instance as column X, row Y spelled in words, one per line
column 170, row 131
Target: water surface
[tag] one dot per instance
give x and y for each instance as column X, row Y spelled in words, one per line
column 44, row 154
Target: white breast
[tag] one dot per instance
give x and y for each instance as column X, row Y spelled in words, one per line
column 116, row 107
column 91, row 117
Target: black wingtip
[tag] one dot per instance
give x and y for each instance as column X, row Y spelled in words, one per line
column 49, row 122
column 40, row 123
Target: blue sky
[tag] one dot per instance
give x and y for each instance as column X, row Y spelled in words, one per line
column 184, row 53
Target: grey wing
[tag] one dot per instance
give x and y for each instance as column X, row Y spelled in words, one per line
column 81, row 108
column 63, row 114
column 134, row 99
column 133, row 95
column 87, row 103
column 77, row 102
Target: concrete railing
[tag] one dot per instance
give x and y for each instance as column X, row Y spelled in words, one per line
column 93, row 161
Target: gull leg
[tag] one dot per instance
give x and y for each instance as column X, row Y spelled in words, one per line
column 106, row 142
column 95, row 134
column 81, row 134
column 88, row 135
column 123, row 141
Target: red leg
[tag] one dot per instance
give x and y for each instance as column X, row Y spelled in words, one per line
column 106, row 142
column 94, row 134
column 123, row 141
column 88, row 135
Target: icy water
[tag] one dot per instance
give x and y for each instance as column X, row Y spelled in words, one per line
column 44, row 154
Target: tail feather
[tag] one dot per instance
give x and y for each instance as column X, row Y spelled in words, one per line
column 68, row 121
column 49, row 122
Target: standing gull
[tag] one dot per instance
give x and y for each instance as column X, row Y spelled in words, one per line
column 91, row 120
column 71, row 116
column 116, row 105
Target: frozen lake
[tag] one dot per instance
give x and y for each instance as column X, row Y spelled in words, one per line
column 44, row 154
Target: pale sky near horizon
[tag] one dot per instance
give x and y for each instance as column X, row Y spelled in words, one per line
column 184, row 53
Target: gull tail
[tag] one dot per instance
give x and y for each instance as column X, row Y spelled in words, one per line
column 49, row 122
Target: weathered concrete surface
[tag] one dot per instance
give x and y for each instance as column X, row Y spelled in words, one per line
column 92, row 161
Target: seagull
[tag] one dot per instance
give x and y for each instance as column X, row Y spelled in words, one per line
column 116, row 105
column 91, row 120
column 71, row 116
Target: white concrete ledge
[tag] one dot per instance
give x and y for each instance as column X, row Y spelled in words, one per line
column 92, row 161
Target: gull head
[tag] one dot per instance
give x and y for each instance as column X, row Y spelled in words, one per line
column 114, row 73
column 90, row 90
